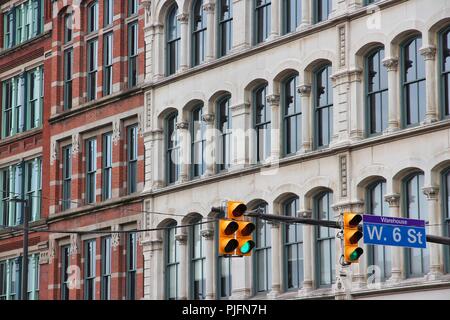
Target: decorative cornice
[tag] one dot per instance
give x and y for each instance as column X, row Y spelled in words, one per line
column 391, row 64
column 208, row 118
column 431, row 192
column 393, row 200
column 273, row 100
column 182, row 125
column 304, row 90
column 75, row 143
column 429, row 53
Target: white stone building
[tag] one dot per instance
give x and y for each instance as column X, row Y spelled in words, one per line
column 355, row 98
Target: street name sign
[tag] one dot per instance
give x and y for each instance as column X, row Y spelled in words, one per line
column 397, row 232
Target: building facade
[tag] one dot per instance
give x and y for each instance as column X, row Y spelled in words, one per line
column 298, row 108
column 71, row 113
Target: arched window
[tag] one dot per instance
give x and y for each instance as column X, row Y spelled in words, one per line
column 198, row 268
column 262, row 123
column 323, row 103
column 172, row 149
column 225, row 34
column 413, row 82
column 378, row 255
column 445, row 69
column 92, row 16
column 172, row 264
column 322, row 9
column 198, row 134
column 292, row 113
column 198, row 33
column 173, row 41
column 293, row 247
column 377, row 93
column 418, row 260
column 263, row 253
column 224, row 125
column 262, row 20
column 292, row 13
column 325, row 241
column 446, row 215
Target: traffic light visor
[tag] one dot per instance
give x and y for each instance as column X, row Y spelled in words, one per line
column 235, row 209
column 352, row 219
column 228, row 227
column 247, row 247
column 353, row 254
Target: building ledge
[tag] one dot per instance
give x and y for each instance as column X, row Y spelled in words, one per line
column 20, row 136
column 24, row 45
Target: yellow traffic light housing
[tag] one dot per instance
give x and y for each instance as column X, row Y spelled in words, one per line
column 245, row 238
column 352, row 235
column 227, row 241
column 236, row 210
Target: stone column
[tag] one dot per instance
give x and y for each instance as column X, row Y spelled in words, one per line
column 276, row 260
column 185, row 154
column 240, row 144
column 275, row 136
column 159, row 52
column 209, row 8
column 305, row 93
column 183, row 18
column 429, row 55
column 208, row 234
column 434, row 217
column 275, row 19
column 154, row 146
column 242, row 26
column 394, row 98
column 308, row 259
column 181, row 238
column 210, row 144
column 306, row 15
column 154, row 285
column 394, row 206
column 356, row 101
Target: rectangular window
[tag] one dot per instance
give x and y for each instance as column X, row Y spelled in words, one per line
column 33, row 277
column 23, row 22
column 91, row 170
column 322, row 10
column 4, row 211
column 107, row 63
column 65, row 264
column 262, row 20
column 106, row 268
column 131, row 265
column 132, row 7
column 68, row 30
column 10, row 273
column 67, row 177
column 109, row 12
column 107, row 166
column 93, row 17
column 92, row 61
column 225, row 27
column 32, row 184
column 68, row 64
column 132, row 54
column 89, row 270
column 22, row 102
column 132, row 158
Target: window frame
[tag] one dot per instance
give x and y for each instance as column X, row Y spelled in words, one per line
column 316, row 107
column 91, row 170
column 108, row 62
column 92, row 69
column 286, row 17
column 107, row 164
column 286, row 117
column 168, row 150
column 66, row 178
column 131, row 266
column 132, row 158
column 267, row 253
column 201, row 167
column 259, row 36
column 222, row 151
column 90, row 264
column 108, row 13
column 317, row 18
column 92, row 17
column 224, row 26
column 133, row 53
column 68, row 79
column 176, row 41
column 106, row 268
column 65, row 253
column 445, row 209
column 193, row 259
column 444, row 92
column 262, row 125
column 171, row 228
column 198, row 35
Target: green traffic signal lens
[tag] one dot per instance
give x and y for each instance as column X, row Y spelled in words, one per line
column 247, row 247
column 356, row 254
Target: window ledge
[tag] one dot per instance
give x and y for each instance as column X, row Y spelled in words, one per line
column 25, row 44
column 20, row 136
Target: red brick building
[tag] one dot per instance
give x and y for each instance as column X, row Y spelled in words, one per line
column 87, row 140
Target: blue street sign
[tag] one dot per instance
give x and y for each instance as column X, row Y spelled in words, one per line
column 397, row 232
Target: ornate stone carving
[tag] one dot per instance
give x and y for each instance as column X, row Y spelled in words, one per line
column 304, row 90
column 431, row 192
column 209, row 7
column 273, row 100
column 53, row 152
column 208, row 118
column 74, row 247
column 148, row 105
column 183, row 17
column 75, row 143
column 181, row 238
column 429, row 53
column 306, row 214
column 116, row 132
column 115, row 237
column 208, row 234
column 393, row 200
column 182, row 125
column 391, row 64
column 147, row 4
column 44, row 257
column 51, row 250
column 342, row 46
column 140, row 124
column 343, row 175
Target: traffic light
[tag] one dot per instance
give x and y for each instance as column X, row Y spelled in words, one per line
column 352, row 235
column 235, row 234
column 245, row 238
column 227, row 240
